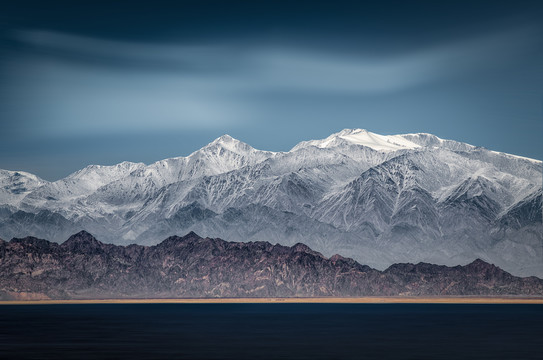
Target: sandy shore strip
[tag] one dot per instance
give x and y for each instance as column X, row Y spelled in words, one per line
column 316, row 300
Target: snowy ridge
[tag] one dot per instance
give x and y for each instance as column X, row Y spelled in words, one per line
column 517, row 157
column 363, row 138
column 14, row 185
column 379, row 199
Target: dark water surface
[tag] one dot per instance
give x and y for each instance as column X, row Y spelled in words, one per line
column 271, row 331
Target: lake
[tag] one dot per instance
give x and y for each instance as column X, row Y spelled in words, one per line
column 272, row 331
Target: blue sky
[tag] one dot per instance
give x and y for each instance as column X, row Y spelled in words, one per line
column 102, row 82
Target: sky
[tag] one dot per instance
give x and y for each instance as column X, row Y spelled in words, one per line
column 101, row 82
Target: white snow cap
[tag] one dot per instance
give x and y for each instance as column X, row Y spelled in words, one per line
column 229, row 143
column 362, row 137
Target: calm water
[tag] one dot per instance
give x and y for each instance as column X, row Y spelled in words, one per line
column 271, row 331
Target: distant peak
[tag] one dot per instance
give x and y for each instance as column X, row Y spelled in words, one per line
column 224, row 139
column 99, row 170
column 229, row 143
column 350, row 132
column 361, row 137
column 17, row 175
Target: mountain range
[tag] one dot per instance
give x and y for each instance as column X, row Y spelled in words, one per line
column 377, row 199
column 190, row 266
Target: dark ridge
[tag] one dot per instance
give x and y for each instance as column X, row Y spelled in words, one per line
column 192, row 266
column 190, row 235
column 338, row 258
column 174, row 239
column 83, row 242
column 479, row 263
column 299, row 247
column 81, row 235
column 32, row 241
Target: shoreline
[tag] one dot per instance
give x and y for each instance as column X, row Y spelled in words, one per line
column 316, row 300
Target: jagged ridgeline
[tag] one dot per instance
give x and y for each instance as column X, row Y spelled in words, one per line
column 378, row 199
column 190, row 266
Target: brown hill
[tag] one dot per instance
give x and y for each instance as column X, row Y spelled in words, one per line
column 190, row 266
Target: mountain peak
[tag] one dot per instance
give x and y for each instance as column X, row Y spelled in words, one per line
column 355, row 131
column 227, row 153
column 361, row 137
column 229, row 143
column 225, row 139
column 82, row 236
column 346, row 132
column 177, row 240
column 191, row 235
column 82, row 242
column 479, row 263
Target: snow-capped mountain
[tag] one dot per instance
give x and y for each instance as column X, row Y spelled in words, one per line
column 379, row 199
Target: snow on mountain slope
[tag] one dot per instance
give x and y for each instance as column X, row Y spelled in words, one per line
column 429, row 140
column 363, row 138
column 524, row 213
column 221, row 155
column 379, row 199
column 59, row 194
column 14, row 185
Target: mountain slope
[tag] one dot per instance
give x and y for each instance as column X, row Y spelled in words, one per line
column 378, row 199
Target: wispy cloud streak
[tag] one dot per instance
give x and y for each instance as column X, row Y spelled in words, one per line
column 91, row 85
